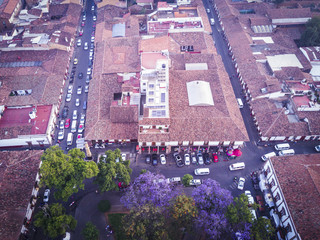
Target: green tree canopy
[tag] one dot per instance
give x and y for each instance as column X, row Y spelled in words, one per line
column 53, row 220
column 145, row 222
column 186, row 180
column 65, row 172
column 112, row 171
column 90, row 232
column 238, row 212
column 311, row 36
column 262, row 229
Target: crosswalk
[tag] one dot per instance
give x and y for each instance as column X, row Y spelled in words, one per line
column 247, row 177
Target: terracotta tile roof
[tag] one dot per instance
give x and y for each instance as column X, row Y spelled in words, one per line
column 120, row 55
column 289, row 13
column 7, row 8
column 45, row 80
column 259, row 21
column 18, row 172
column 35, row 12
column 56, row 10
column 301, row 191
column 98, row 122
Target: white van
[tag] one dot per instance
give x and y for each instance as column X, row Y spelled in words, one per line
column 70, row 139
column 240, row 103
column 74, row 126
column 288, row 152
column 282, row 146
column 202, row 171
column 237, row 166
column 268, row 156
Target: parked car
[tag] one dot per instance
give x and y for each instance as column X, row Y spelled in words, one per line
column 193, row 158
column 61, row 134
column 187, row 159
column 79, row 90
column 80, row 75
column 84, row 107
column 61, row 124
column 175, row 180
column 46, row 195
column 94, row 18
column 70, row 88
column 92, row 39
column 250, row 198
column 82, row 118
column 195, row 182
column 148, row 159
column 241, row 183
column 67, row 124
column 163, row 159
column 215, row 157
column 68, row 97
column 75, row 61
column 82, row 24
column 75, row 115
column 91, row 46
column 86, row 89
column 154, row 159
column 77, row 102
column 206, row 157
column 65, row 112
column 81, row 32
column 79, row 42
column 317, row 148
column 89, row 71
column 200, row 158
column 84, row 18
column 123, row 156
column 92, row 8
column 208, row 10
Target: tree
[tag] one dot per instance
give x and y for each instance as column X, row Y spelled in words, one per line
column 238, row 212
column 183, row 211
column 145, row 222
column 311, row 36
column 65, row 172
column 186, row 180
column 90, row 232
column 53, row 220
column 262, row 229
column 148, row 189
column 212, row 202
column 112, row 171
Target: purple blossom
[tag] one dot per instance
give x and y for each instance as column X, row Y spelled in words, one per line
column 212, row 202
column 147, row 189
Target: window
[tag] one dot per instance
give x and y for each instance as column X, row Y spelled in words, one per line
column 272, row 183
column 163, row 97
column 158, row 113
column 151, row 86
column 277, row 197
column 288, row 228
column 267, row 171
column 151, row 93
column 151, row 100
column 282, row 212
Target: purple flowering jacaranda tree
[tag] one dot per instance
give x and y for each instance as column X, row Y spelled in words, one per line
column 212, row 202
column 149, row 188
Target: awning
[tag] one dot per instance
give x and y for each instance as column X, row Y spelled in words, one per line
column 237, row 152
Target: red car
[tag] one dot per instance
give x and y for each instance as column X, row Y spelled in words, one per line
column 215, row 157
column 79, row 136
column 81, row 32
column 82, row 24
column 67, row 124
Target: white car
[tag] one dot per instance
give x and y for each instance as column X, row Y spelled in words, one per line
column 317, row 148
column 79, row 90
column 92, row 39
column 250, row 198
column 68, row 98
column 86, row 89
column 70, row 88
column 82, row 118
column 92, row 8
column 241, row 183
column 195, row 182
column 79, row 43
column 175, row 180
column 84, row 18
column 94, row 18
column 75, row 115
column 89, row 71
column 61, row 134
column 46, row 195
column 123, row 156
column 187, row 159
column 200, row 158
column 77, row 102
column 211, row 21
column 208, row 10
column 163, row 159
column 85, row 46
column 61, row 125
column 90, row 55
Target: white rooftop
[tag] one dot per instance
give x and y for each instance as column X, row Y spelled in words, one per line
column 284, row 60
column 196, row 66
column 199, row 93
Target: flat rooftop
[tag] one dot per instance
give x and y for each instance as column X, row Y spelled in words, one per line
column 16, row 121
